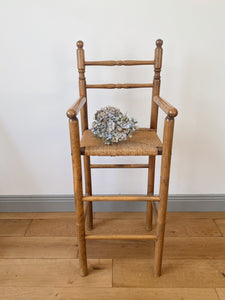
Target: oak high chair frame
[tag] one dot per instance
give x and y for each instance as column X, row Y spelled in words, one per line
column 143, row 142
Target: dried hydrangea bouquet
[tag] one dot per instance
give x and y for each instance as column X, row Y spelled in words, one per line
column 111, row 125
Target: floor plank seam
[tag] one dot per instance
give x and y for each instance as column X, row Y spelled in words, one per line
column 214, row 220
column 217, row 294
column 31, row 221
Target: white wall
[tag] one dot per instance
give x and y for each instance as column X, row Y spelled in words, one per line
column 39, row 82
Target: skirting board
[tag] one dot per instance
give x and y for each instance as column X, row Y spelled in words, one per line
column 63, row 203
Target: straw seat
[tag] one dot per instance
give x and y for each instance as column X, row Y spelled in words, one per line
column 143, row 142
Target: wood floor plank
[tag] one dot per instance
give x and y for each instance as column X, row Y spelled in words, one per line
column 34, row 293
column 195, row 248
column 196, row 214
column 52, row 227
column 174, row 227
column 13, row 227
column 66, row 227
column 170, row 215
column 37, row 215
column 54, row 273
column 221, row 293
column 119, row 215
column 175, row 248
column 120, row 249
column 221, row 224
column 113, row 215
column 66, row 247
column 195, row 227
column 119, row 226
column 176, row 273
column 36, row 247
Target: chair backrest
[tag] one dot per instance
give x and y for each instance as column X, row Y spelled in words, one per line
column 157, row 63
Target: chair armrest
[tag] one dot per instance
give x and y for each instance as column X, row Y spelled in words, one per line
column 73, row 111
column 166, row 107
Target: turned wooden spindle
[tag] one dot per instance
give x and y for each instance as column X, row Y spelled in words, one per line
column 84, row 126
column 156, row 82
column 120, row 86
column 120, row 63
column 82, row 83
column 153, row 125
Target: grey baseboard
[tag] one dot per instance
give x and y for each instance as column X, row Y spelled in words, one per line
column 62, row 203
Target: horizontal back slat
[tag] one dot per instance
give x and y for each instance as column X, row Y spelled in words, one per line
column 119, row 86
column 119, row 63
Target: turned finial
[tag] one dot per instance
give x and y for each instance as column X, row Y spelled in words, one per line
column 71, row 114
column 159, row 43
column 80, row 44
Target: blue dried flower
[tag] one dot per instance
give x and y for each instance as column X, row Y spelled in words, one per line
column 111, row 125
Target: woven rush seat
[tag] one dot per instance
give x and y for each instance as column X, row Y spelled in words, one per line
column 143, row 142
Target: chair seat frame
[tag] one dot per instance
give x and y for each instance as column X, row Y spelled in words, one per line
column 85, row 212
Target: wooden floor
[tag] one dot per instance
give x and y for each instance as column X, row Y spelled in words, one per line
column 38, row 258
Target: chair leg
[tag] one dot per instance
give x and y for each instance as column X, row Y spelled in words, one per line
column 163, row 193
column 150, row 191
column 88, row 190
column 78, row 195
column 90, row 216
column 148, row 226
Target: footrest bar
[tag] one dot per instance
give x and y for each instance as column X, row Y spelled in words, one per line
column 120, row 237
column 120, row 198
column 119, row 166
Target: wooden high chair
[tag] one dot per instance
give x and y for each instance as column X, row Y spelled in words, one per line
column 144, row 142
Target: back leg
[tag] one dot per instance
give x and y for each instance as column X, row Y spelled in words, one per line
column 150, row 191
